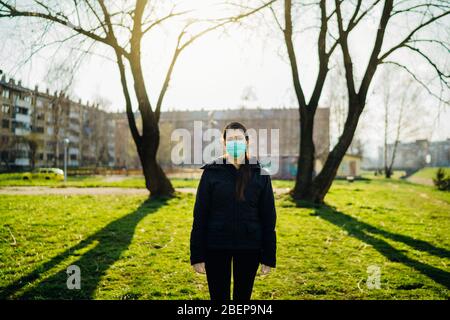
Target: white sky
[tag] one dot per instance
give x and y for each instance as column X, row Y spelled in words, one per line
column 215, row 70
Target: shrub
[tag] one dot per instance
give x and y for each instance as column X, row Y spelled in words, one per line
column 442, row 180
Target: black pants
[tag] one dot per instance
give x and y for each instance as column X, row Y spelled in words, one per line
column 218, row 272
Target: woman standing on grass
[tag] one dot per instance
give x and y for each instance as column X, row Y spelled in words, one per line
column 234, row 219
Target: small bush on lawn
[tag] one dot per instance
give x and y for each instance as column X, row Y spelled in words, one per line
column 442, row 180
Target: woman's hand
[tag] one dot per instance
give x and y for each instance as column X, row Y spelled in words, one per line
column 199, row 267
column 265, row 269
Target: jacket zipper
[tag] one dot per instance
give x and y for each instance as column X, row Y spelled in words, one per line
column 234, row 213
column 233, row 236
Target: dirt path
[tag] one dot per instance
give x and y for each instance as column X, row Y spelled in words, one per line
column 93, row 191
column 418, row 180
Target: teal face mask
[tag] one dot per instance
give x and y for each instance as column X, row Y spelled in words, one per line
column 236, row 148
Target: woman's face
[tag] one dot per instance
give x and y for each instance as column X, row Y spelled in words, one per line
column 235, row 144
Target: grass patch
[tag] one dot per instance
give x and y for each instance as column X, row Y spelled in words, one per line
column 131, row 248
column 425, row 176
column 429, row 173
column 15, row 179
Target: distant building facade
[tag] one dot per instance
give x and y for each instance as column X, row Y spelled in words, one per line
column 350, row 166
column 34, row 125
column 418, row 154
column 15, row 118
column 286, row 120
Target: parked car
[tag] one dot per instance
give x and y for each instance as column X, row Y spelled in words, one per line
column 44, row 173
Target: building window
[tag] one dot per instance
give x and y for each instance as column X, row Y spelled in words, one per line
column 21, row 125
column 73, row 157
column 21, row 110
column 5, row 123
column 5, row 109
column 21, row 154
column 5, row 94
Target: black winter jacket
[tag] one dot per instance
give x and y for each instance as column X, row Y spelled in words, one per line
column 221, row 221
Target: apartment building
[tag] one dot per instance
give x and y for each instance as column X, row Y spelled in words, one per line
column 35, row 123
column 411, row 156
column 15, row 118
column 286, row 120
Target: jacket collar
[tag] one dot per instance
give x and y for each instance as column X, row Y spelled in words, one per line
column 220, row 161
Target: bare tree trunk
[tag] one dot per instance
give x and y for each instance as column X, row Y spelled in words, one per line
column 357, row 99
column 306, row 157
column 56, row 107
column 400, row 124
column 387, row 108
column 387, row 171
column 147, row 144
column 323, row 181
column 306, row 187
column 33, row 149
column 155, row 179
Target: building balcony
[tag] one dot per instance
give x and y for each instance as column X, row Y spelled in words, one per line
column 22, row 162
column 74, row 151
column 74, row 127
column 21, row 131
column 74, row 139
column 22, row 117
column 22, row 103
column 73, row 163
column 74, row 115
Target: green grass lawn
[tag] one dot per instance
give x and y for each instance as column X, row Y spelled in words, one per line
column 425, row 176
column 370, row 175
column 14, row 179
column 131, row 248
column 428, row 173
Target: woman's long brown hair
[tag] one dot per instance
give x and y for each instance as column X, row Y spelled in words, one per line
column 244, row 172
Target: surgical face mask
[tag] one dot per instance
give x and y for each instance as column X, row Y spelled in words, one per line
column 236, row 148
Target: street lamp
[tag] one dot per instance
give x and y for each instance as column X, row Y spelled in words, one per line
column 66, row 143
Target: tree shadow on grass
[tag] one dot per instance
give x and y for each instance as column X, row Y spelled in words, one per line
column 107, row 246
column 364, row 232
